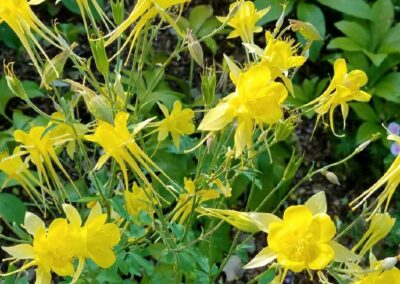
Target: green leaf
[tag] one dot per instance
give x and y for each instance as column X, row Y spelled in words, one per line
column 275, row 12
column 344, row 43
column 12, row 209
column 356, row 8
column 9, row 38
column 368, row 130
column 389, row 87
column 267, row 276
column 354, row 31
column 365, row 112
column 383, row 14
column 376, row 59
column 391, row 41
column 199, row 15
column 311, row 13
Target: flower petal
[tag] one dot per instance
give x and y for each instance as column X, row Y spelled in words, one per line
column 23, row 251
column 33, row 223
column 317, row 203
column 72, row 215
column 264, row 257
column 343, row 254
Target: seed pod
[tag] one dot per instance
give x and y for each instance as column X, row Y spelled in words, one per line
column 100, row 55
column 118, row 10
column 283, row 130
column 208, row 86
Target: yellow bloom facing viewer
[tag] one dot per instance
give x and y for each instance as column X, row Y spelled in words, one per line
column 391, row 276
column 179, row 122
column 344, row 87
column 244, row 20
column 257, row 100
column 53, row 249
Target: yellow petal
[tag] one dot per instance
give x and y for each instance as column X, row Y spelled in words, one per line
column 33, row 223
column 297, row 217
column 72, row 215
column 264, row 220
column 343, row 254
column 317, row 203
column 23, row 251
column 321, row 256
column 94, row 212
column 243, row 135
column 322, row 228
column 264, row 257
column 217, row 118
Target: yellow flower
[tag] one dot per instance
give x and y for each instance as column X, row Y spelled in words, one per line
column 281, row 56
column 18, row 170
column 143, row 12
column 258, row 99
column 303, row 239
column 119, row 143
column 138, row 200
column 244, row 21
column 392, row 180
column 20, row 18
column 190, row 200
column 95, row 239
column 178, row 123
column 380, row 226
column 40, row 147
column 50, row 251
column 380, row 277
column 343, row 88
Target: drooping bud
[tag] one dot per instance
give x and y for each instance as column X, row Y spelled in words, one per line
column 305, row 29
column 13, row 83
column 195, row 49
column 388, row 263
column 331, row 177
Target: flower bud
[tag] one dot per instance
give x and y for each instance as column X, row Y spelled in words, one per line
column 195, row 48
column 13, row 83
column 118, row 10
column 279, row 23
column 100, row 55
column 331, row 177
column 100, row 108
column 305, row 29
column 208, row 86
column 389, row 263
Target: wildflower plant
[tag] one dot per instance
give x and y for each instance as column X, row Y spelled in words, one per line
column 142, row 175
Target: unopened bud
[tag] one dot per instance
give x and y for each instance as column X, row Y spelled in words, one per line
column 279, row 23
column 362, row 147
column 13, row 83
column 389, row 263
column 195, row 48
column 208, row 86
column 118, row 10
column 331, row 177
column 305, row 29
column 54, row 68
column 100, row 55
column 100, row 108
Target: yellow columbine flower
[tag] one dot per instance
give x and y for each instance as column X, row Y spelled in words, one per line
column 257, row 100
column 380, row 226
column 392, row 180
column 119, row 143
column 178, row 123
column 95, row 239
column 380, row 277
column 244, row 21
column 61, row 130
column 343, row 88
column 40, row 147
column 138, row 200
column 143, row 12
column 20, row 18
column 190, row 200
column 50, row 251
column 281, row 56
column 18, row 170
